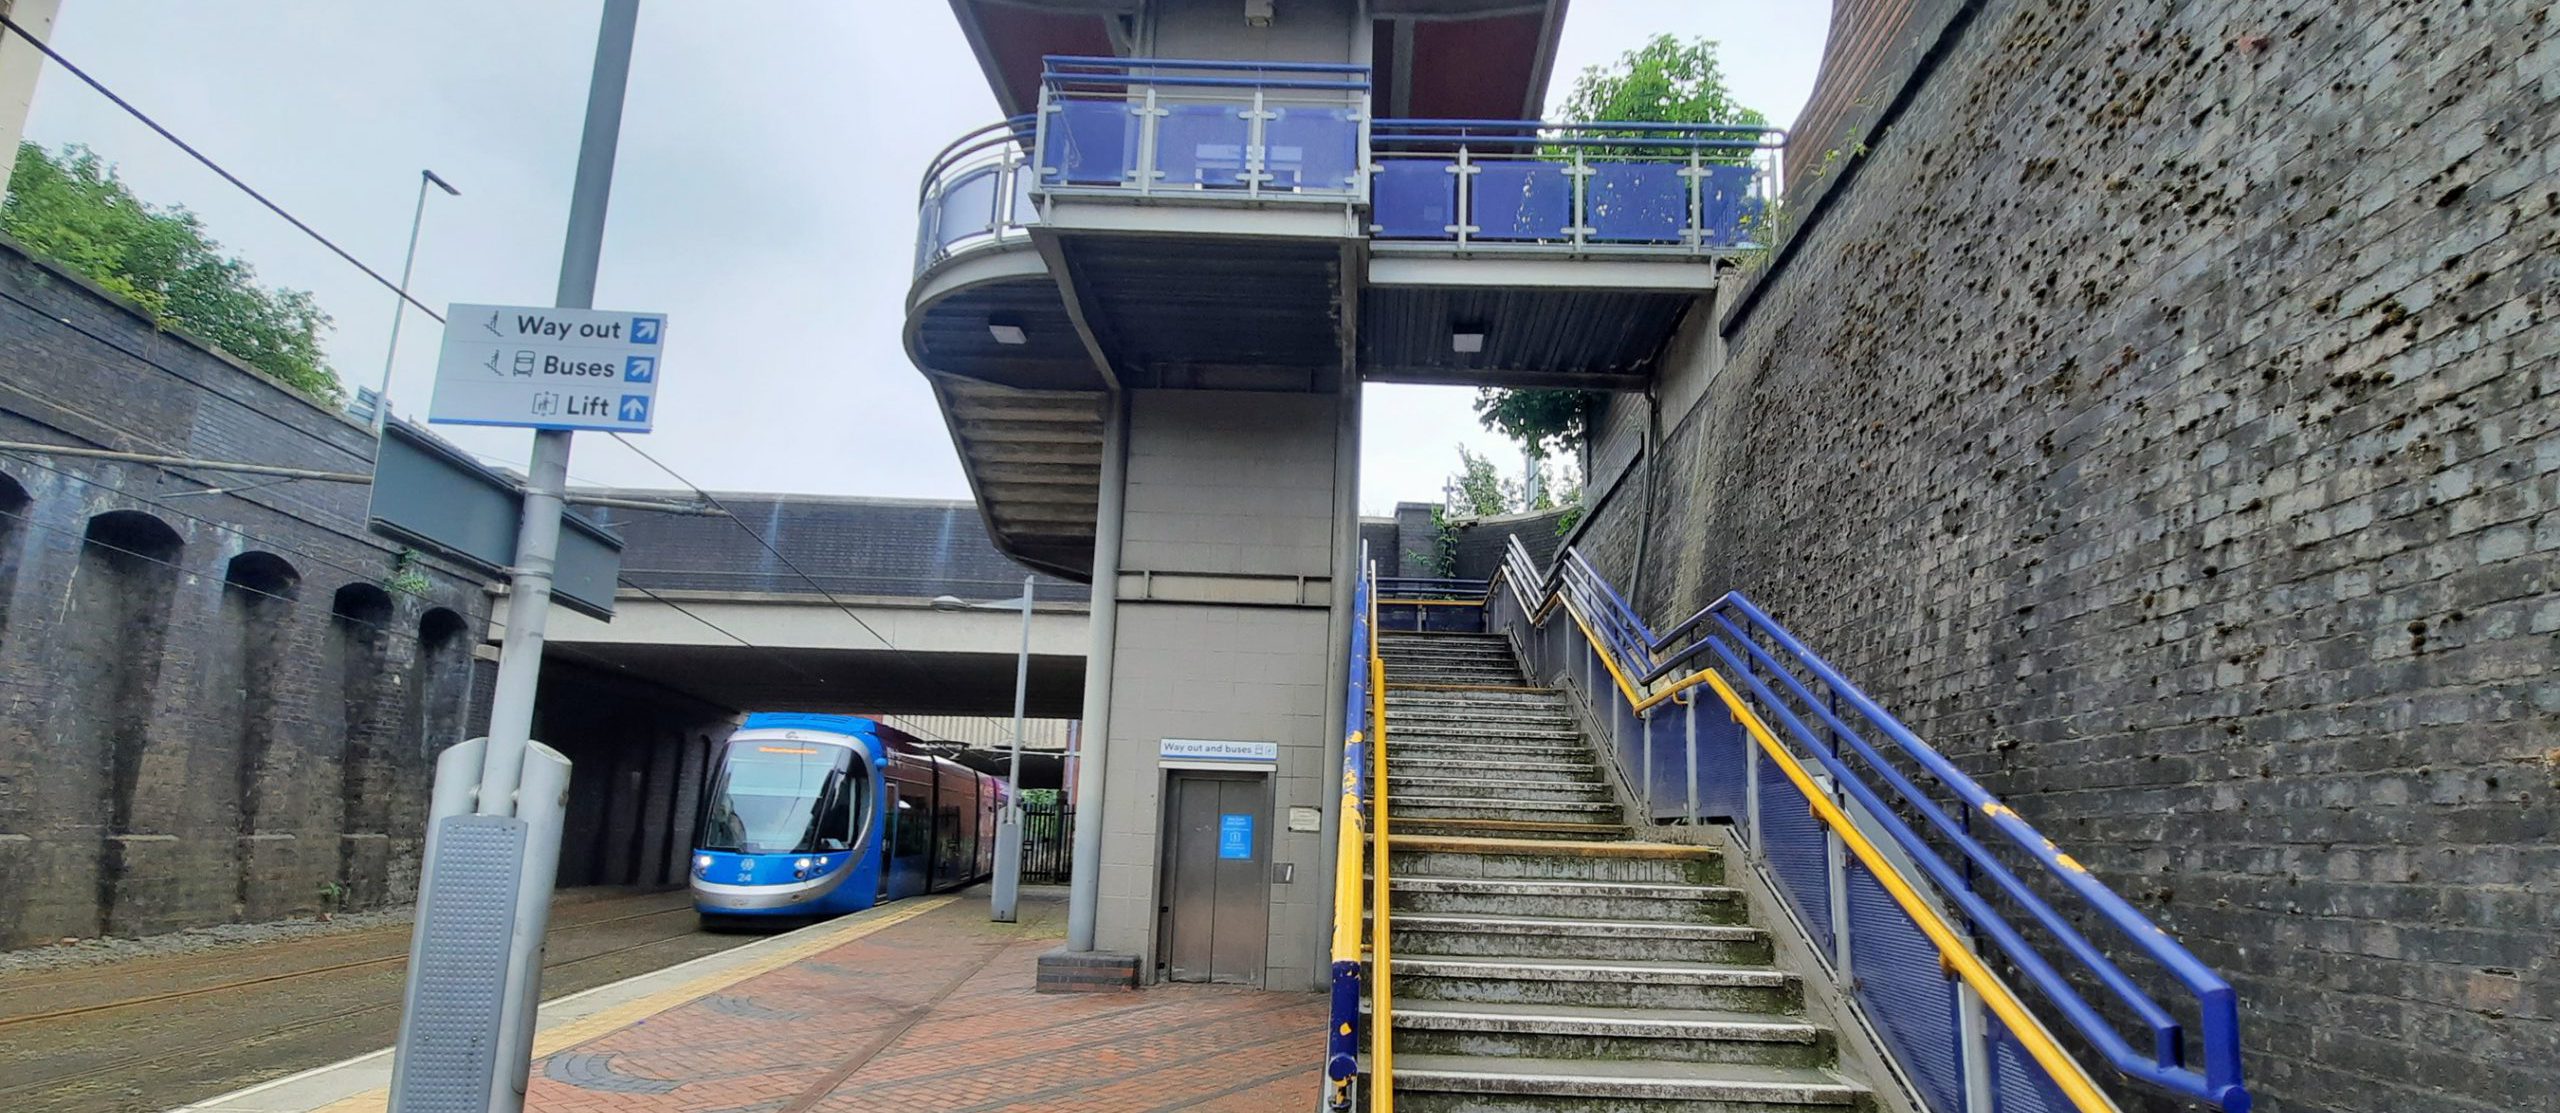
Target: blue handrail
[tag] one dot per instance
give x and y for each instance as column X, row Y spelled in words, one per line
column 1831, row 720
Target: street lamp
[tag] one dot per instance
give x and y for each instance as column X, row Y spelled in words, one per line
column 1008, row 826
column 400, row 305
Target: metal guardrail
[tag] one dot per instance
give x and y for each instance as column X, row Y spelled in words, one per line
column 976, row 194
column 1263, row 131
column 1363, row 746
column 1610, row 186
column 1797, row 765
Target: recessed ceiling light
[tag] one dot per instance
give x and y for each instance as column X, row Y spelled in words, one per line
column 1007, row 332
column 1466, row 341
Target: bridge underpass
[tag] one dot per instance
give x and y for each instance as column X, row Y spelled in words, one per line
column 837, row 616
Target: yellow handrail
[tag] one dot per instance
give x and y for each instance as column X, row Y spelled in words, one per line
column 1382, row 1071
column 2065, row 1071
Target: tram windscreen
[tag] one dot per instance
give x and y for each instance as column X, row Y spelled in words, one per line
column 780, row 798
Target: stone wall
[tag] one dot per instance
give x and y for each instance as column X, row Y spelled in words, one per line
column 216, row 710
column 2159, row 415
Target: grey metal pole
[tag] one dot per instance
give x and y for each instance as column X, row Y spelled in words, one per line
column 400, row 301
column 1008, row 889
column 1084, row 880
column 547, row 479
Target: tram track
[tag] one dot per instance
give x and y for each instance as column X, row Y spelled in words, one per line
column 245, row 983
column 154, row 1050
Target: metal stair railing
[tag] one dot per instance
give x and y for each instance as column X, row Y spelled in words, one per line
column 1828, row 814
column 1364, row 814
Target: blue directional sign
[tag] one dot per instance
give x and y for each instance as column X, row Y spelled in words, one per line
column 544, row 368
column 1235, row 835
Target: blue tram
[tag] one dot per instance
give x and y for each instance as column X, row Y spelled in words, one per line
column 819, row 815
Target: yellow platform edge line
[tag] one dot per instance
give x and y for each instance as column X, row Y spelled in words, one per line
column 618, row 1017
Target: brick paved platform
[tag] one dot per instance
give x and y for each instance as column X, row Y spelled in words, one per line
column 919, row 1006
column 938, row 1013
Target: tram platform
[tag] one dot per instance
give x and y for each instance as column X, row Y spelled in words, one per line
column 922, row 1005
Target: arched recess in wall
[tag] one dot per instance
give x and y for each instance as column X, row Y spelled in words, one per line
column 258, row 594
column 15, row 505
column 438, row 704
column 360, row 637
column 127, row 578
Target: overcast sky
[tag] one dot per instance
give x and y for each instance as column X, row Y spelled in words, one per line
column 764, row 197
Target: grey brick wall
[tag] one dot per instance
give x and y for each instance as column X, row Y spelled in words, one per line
column 178, row 750
column 2161, row 419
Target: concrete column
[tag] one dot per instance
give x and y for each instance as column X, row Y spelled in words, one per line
column 20, row 65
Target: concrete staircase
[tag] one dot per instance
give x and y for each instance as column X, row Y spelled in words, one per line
column 1542, row 959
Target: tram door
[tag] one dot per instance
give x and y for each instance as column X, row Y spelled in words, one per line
column 1215, row 923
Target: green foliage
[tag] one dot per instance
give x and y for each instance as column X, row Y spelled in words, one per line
column 1570, row 518
column 407, row 578
column 1546, row 422
column 1443, row 558
column 71, row 208
column 1664, row 81
column 1478, row 490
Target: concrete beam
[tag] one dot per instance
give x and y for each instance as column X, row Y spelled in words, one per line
column 811, row 622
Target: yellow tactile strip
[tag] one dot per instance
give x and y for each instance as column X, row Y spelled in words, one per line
column 549, row 1040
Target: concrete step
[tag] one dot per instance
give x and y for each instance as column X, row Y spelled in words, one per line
column 1543, row 755
column 1643, row 863
column 1567, row 899
column 1492, row 807
column 1483, row 936
column 1485, row 1084
column 1446, row 735
column 1510, row 829
column 1439, row 765
column 1473, row 712
column 1510, row 787
column 1500, row 699
column 1622, row 985
column 1583, row 1032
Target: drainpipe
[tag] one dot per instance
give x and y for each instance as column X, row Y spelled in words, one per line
column 1084, row 882
column 1644, row 513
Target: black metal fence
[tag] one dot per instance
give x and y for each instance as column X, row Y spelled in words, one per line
column 1048, row 834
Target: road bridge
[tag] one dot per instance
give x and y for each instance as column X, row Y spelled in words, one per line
column 838, row 615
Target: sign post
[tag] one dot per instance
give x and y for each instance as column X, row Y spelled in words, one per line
column 484, row 900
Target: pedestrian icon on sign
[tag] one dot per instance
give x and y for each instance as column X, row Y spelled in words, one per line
column 640, row 369
column 644, row 330
column 635, row 408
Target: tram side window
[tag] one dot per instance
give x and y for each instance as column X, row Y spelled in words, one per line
column 914, row 835
column 835, row 814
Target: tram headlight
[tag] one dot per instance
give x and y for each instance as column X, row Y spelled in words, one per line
column 701, row 863
column 802, row 864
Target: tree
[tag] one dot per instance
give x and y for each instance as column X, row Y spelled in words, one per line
column 1664, row 81
column 71, row 208
column 1478, row 490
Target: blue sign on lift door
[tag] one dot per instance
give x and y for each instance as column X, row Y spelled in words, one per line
column 1235, row 835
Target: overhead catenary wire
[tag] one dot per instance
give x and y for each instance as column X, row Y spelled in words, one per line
column 74, row 70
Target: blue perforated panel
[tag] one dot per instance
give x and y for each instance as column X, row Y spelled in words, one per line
column 1312, row 148
column 1728, row 210
column 1667, row 738
column 1201, row 146
column 459, row 988
column 1796, row 852
column 1721, row 746
column 2018, row 1083
column 1089, row 143
column 1905, row 991
column 1521, row 201
column 1637, row 202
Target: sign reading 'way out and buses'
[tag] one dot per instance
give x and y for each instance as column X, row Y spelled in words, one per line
column 542, row 368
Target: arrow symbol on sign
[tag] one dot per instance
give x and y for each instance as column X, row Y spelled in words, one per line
column 635, row 408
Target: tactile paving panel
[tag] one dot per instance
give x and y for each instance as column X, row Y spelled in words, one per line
column 459, row 990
